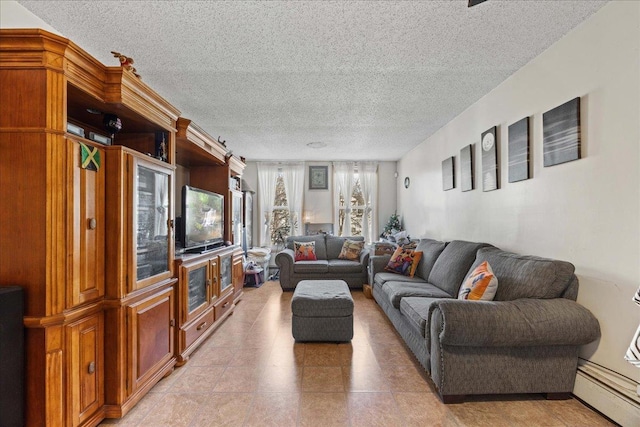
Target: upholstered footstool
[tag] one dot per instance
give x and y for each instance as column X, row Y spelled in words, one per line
column 322, row 311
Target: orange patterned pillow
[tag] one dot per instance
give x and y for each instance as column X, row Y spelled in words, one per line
column 481, row 285
column 304, row 251
column 351, row 250
column 404, row 261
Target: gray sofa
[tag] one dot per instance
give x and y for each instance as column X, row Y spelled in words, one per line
column 327, row 267
column 524, row 341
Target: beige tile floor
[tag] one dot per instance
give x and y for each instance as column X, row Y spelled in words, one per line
column 250, row 372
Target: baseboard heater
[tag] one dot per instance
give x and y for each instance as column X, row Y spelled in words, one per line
column 608, row 392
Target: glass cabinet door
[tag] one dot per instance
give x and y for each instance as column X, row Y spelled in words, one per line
column 152, row 210
column 195, row 281
column 236, row 217
column 225, row 273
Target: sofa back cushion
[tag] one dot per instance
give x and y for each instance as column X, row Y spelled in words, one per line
column 320, row 248
column 452, row 265
column 431, row 250
column 526, row 276
column 334, row 244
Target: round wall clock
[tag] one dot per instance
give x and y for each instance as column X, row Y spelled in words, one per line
column 407, row 181
column 488, row 141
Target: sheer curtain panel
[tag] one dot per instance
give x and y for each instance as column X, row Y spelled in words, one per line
column 368, row 173
column 343, row 184
column 293, row 177
column 267, row 177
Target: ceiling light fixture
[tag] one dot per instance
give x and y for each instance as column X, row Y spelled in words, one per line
column 318, row 144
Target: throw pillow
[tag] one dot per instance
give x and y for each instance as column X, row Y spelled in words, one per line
column 481, row 284
column 304, row 251
column 351, row 250
column 404, row 261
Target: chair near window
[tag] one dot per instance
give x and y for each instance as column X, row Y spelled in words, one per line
column 318, row 228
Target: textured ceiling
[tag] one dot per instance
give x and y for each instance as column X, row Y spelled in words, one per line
column 371, row 80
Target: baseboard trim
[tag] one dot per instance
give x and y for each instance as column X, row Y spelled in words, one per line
column 611, row 394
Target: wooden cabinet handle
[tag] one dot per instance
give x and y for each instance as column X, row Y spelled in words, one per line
column 92, row 223
column 201, row 326
column 226, row 304
column 92, row 367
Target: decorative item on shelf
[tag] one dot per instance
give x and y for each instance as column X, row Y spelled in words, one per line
column 161, row 146
column 224, row 143
column 407, row 182
column 228, row 156
column 76, row 130
column 96, row 137
column 126, row 63
column 112, row 123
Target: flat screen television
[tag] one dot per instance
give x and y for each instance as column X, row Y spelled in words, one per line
column 202, row 219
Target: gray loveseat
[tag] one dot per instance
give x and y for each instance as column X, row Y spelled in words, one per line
column 524, row 341
column 327, row 267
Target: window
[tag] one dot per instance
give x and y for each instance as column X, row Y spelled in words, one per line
column 280, row 224
column 357, row 206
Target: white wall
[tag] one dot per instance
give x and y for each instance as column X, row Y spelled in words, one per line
column 318, row 204
column 587, row 211
column 14, row 15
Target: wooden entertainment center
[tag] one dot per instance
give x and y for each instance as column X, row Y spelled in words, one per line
column 89, row 229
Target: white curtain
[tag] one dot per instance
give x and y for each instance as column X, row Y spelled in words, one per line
column 368, row 173
column 267, row 178
column 293, row 177
column 343, row 184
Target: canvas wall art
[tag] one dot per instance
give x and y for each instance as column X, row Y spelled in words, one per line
column 466, row 168
column 561, row 133
column 519, row 151
column 448, row 178
column 490, row 172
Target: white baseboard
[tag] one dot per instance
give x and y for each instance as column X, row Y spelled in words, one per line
column 608, row 392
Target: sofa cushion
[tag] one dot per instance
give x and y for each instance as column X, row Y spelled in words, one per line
column 526, row 276
column 351, row 250
column 452, row 265
column 321, row 249
column 383, row 277
column 404, row 261
column 431, row 250
column 304, row 251
column 416, row 311
column 395, row 291
column 344, row 266
column 480, row 285
column 334, row 244
column 320, row 266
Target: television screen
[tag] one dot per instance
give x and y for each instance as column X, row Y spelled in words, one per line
column 202, row 217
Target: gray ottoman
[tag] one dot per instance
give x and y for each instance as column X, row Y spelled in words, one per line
column 322, row 311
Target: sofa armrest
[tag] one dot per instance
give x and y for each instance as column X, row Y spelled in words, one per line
column 518, row 323
column 377, row 263
column 285, row 260
column 364, row 257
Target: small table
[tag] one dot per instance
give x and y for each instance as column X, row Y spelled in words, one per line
column 255, row 273
column 322, row 311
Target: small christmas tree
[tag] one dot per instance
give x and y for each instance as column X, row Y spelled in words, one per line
column 393, row 226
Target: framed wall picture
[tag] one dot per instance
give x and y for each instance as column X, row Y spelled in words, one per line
column 466, row 168
column 519, row 168
column 561, row 133
column 448, row 178
column 318, row 177
column 490, row 172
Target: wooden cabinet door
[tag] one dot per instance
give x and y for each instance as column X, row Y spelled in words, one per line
column 238, row 273
column 86, row 222
column 85, row 339
column 195, row 289
column 151, row 333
